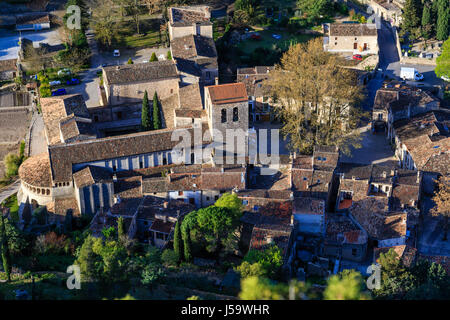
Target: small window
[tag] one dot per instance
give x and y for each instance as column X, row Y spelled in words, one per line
column 305, row 179
column 335, row 43
column 207, row 198
column 255, row 208
column 245, row 202
column 324, row 159
column 356, row 38
column 216, row 198
column 141, row 165
column 114, row 168
column 353, row 252
column 95, row 118
column 318, row 180
column 164, row 161
column 224, row 116
column 180, row 193
column 235, row 114
column 171, row 90
column 319, row 158
column 335, row 38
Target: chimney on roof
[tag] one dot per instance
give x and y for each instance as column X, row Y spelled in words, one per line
column 384, row 174
column 291, row 196
column 165, row 204
column 292, row 219
column 392, row 172
column 295, row 154
column 353, row 178
column 178, row 213
column 222, row 170
column 418, row 177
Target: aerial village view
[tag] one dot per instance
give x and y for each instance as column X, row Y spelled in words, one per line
column 224, row 150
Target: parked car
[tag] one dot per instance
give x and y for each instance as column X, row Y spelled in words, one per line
column 357, row 57
column 59, row 92
column 55, row 83
column 255, row 36
column 64, row 72
column 445, row 78
column 73, row 81
column 116, row 53
column 276, row 36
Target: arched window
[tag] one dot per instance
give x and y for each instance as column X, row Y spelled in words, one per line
column 235, row 114
column 224, row 115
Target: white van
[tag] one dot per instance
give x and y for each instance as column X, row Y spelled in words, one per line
column 410, row 74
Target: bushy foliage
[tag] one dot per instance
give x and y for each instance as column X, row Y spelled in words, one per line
column 12, row 163
column 263, row 262
column 169, row 257
column 51, row 243
column 347, row 285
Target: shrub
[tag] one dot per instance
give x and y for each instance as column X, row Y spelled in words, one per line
column 169, row 257
column 51, row 243
column 12, row 163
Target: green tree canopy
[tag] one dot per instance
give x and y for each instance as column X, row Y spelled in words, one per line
column 153, row 57
column 347, row 285
column 156, row 113
column 443, row 20
column 146, row 122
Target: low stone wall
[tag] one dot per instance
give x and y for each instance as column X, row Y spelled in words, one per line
column 416, row 60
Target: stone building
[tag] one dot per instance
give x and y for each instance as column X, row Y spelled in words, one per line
column 388, row 10
column 8, row 69
column 192, row 20
column 125, row 84
column 355, row 38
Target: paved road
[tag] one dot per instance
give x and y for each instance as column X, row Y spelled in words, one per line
column 9, row 40
column 430, row 239
column 38, row 143
column 375, row 148
column 9, row 190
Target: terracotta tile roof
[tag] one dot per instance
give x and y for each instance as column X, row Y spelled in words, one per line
column 309, row 206
column 261, row 211
column 162, row 226
column 36, row 171
column 190, row 97
column 152, row 208
column 253, row 78
column 349, row 30
column 152, row 185
column 8, row 65
column 126, row 207
column 193, row 47
column 406, row 254
column 384, row 96
column 32, row 18
column 55, row 109
column 91, row 175
column 404, row 196
column 427, row 140
column 61, row 206
column 128, row 187
column 372, row 213
column 74, row 128
column 137, row 72
column 168, row 107
column 181, row 16
column 336, row 226
column 227, row 93
column 355, row 237
column 63, row 156
column 264, row 236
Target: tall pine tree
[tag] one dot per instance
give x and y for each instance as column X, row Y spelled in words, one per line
column 177, row 244
column 156, row 113
column 443, row 27
column 146, row 123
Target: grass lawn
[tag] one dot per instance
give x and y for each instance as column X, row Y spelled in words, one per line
column 13, row 206
column 149, row 34
column 268, row 42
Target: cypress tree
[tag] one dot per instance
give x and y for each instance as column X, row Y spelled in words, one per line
column 145, row 114
column 187, row 245
column 411, row 17
column 6, row 257
column 120, row 227
column 443, row 28
column 177, row 244
column 426, row 21
column 153, row 58
column 169, row 55
column 156, row 113
column 130, row 61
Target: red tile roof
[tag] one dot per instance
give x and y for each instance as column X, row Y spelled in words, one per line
column 228, row 93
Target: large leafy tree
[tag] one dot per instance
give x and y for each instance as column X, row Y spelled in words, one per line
column 265, row 263
column 316, row 98
column 104, row 22
column 347, row 285
column 258, row 288
column 442, row 201
column 396, row 279
column 313, row 9
column 443, row 61
column 4, row 248
column 443, row 18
